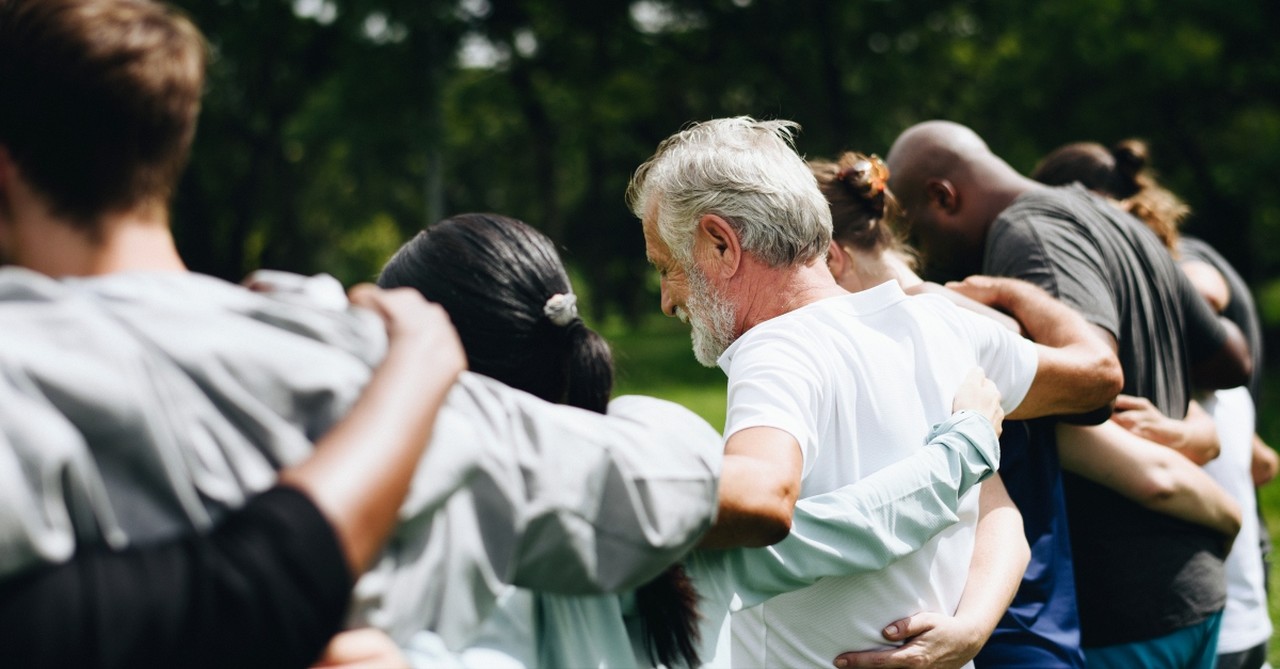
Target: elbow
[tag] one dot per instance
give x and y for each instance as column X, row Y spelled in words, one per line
column 1157, row 489
column 772, row 524
column 1110, row 380
column 1205, row 454
column 1233, row 524
column 766, row 520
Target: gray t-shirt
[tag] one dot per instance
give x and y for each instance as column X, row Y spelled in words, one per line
column 1139, row 574
column 1240, row 309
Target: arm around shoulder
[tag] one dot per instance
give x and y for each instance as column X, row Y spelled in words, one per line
column 1077, row 370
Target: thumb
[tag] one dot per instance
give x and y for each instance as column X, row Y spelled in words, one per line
column 905, row 628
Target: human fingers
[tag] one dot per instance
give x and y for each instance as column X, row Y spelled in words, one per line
column 361, row 648
column 984, row 289
column 1132, row 403
column 977, row 393
column 914, row 625
column 881, row 659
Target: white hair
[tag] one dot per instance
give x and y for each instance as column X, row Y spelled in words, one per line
column 745, row 171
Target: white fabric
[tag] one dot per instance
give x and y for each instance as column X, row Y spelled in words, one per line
column 1245, row 620
column 859, row 528
column 858, row 380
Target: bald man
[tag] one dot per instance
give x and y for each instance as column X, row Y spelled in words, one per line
column 1150, row 589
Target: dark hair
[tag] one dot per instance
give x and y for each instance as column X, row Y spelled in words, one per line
column 1121, row 173
column 100, row 100
column 864, row 212
column 494, row 275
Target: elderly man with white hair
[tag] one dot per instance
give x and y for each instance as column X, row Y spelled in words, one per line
column 826, row 387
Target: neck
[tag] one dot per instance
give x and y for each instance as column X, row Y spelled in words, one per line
column 132, row 241
column 767, row 292
column 868, row 269
column 1003, row 185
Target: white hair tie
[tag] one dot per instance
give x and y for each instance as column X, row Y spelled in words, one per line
column 561, row 308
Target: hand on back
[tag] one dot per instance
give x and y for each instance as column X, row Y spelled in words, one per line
column 977, row 393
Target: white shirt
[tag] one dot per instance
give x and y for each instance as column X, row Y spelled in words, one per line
column 1245, row 621
column 858, row 380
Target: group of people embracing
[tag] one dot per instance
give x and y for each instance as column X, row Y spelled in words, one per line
column 1002, row 471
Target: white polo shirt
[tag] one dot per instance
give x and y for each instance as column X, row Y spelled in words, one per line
column 858, row 380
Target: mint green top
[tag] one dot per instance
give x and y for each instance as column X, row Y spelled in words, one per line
column 862, row 527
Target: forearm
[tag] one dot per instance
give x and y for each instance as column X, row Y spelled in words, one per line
column 1264, row 463
column 1078, row 371
column 1147, row 473
column 1000, row 557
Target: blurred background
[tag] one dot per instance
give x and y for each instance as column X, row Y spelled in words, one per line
column 334, row 130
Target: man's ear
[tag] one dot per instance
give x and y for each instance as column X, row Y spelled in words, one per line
column 716, row 244
column 942, row 194
column 837, row 261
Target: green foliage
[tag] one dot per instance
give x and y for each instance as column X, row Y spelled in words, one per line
column 325, row 117
column 656, row 359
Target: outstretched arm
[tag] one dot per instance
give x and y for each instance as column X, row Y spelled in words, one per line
column 1150, row 474
column 1078, row 371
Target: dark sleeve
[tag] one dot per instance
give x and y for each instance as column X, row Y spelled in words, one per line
column 1051, row 254
column 1205, row 334
column 267, row 588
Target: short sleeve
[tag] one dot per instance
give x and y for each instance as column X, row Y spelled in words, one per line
column 1205, row 334
column 1007, row 358
column 774, row 383
column 1043, row 251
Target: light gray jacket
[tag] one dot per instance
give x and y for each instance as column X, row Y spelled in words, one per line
column 135, row 407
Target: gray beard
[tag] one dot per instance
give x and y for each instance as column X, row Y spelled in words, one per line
column 710, row 316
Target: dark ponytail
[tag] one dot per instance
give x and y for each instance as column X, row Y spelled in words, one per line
column 496, row 277
column 668, row 607
column 589, row 368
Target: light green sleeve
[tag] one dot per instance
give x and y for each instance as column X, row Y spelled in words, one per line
column 866, row 526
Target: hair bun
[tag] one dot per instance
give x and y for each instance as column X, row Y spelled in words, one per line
column 1130, row 156
column 866, row 175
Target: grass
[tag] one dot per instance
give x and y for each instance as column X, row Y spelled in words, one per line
column 657, row 360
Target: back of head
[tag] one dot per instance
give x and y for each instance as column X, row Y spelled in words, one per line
column 935, row 150
column 745, row 171
column 498, row 279
column 1121, row 173
column 100, row 99
column 864, row 213
column 1089, row 164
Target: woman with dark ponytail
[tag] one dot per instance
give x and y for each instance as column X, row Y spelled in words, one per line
column 509, row 297
column 507, row 292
